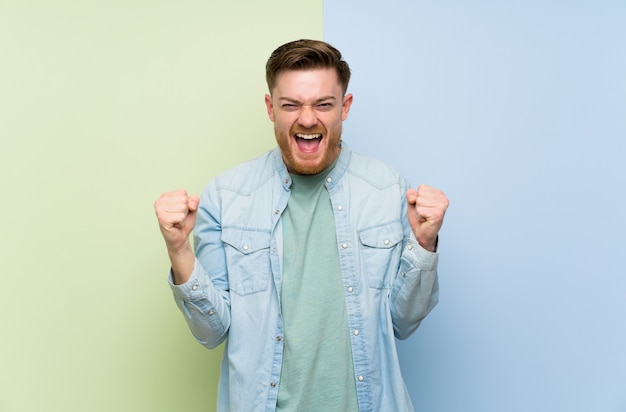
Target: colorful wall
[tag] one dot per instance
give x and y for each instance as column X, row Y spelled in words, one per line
column 516, row 110
column 104, row 105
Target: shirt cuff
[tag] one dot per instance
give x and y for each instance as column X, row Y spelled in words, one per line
column 194, row 285
column 419, row 257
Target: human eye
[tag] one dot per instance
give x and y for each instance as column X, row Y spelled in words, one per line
column 324, row 106
column 290, row 107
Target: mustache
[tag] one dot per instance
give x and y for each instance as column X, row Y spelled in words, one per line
column 312, row 130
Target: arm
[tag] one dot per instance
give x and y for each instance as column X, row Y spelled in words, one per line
column 416, row 290
column 199, row 284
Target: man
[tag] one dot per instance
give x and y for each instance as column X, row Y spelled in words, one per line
column 309, row 260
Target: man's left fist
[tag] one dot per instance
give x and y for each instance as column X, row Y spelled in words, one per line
column 425, row 211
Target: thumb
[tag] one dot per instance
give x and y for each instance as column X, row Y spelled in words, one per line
column 411, row 211
column 192, row 203
column 192, row 214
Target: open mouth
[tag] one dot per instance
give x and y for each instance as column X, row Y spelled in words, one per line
column 308, row 142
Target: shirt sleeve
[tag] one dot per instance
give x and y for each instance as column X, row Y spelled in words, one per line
column 416, row 289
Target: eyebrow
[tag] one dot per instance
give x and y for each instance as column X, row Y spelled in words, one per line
column 320, row 100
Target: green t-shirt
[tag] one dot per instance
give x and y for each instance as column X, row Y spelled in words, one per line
column 317, row 371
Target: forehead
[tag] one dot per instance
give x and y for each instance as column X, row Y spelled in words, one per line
column 307, row 84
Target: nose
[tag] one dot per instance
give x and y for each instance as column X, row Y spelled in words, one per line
column 307, row 118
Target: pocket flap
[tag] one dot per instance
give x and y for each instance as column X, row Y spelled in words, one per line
column 246, row 241
column 383, row 236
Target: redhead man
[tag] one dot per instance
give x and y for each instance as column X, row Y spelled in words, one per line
column 310, row 260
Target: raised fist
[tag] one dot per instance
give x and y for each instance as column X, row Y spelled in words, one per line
column 425, row 211
column 176, row 213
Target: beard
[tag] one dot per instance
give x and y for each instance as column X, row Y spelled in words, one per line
column 315, row 163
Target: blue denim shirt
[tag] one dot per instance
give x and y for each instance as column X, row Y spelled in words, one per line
column 389, row 281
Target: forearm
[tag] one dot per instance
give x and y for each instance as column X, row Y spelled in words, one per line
column 199, row 277
column 205, row 308
column 415, row 291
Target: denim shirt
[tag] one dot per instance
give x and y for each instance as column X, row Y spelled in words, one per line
column 389, row 281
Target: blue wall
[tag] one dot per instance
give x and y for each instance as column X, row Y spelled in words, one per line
column 517, row 110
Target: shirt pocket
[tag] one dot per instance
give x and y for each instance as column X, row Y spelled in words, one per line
column 380, row 253
column 247, row 259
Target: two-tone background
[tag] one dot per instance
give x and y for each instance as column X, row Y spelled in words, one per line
column 517, row 110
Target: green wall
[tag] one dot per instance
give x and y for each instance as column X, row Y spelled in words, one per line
column 103, row 106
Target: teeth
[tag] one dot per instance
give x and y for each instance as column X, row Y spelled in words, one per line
column 308, row 136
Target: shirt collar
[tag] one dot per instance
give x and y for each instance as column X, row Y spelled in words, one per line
column 334, row 176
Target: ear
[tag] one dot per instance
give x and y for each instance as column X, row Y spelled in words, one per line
column 270, row 106
column 345, row 109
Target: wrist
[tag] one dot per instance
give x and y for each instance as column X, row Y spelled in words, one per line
column 182, row 249
column 430, row 245
column 182, row 261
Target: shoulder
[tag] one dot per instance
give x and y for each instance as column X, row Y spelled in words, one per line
column 248, row 176
column 374, row 171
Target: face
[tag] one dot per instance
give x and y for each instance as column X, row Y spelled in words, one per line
column 308, row 108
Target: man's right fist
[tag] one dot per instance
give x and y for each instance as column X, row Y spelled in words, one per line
column 176, row 213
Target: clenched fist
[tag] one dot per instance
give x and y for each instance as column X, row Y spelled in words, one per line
column 176, row 213
column 425, row 211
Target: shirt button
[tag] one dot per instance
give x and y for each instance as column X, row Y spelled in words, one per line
column 273, row 384
column 356, row 332
column 194, row 287
column 340, row 208
column 350, row 289
column 245, row 248
column 361, row 378
column 328, row 179
column 278, row 338
column 276, row 211
column 386, row 241
column 344, row 245
column 211, row 312
column 410, row 247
